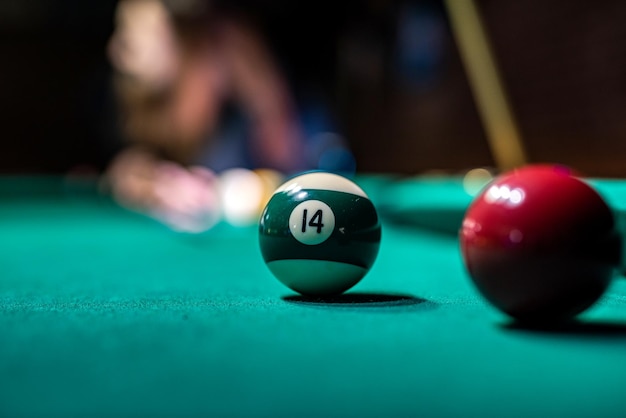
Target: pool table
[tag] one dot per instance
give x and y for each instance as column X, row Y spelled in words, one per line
column 105, row 312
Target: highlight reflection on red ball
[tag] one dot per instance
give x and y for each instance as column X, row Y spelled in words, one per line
column 540, row 244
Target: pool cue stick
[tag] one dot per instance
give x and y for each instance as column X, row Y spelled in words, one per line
column 503, row 134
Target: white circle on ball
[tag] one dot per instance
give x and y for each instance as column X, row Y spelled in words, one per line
column 312, row 222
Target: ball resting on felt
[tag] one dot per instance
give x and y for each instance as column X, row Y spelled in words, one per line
column 317, row 277
column 540, row 244
column 319, row 234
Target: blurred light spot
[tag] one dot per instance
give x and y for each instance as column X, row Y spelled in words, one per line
column 475, row 180
column 504, row 195
column 516, row 236
column 517, row 196
column 493, row 194
column 241, row 193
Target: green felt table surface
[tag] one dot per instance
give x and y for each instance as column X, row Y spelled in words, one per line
column 104, row 312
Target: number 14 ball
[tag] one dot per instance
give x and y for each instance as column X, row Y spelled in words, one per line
column 319, row 234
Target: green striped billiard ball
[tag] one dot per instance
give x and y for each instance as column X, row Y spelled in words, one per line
column 319, row 234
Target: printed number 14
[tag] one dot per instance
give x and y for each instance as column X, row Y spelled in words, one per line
column 315, row 222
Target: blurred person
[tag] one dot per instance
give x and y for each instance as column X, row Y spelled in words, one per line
column 199, row 93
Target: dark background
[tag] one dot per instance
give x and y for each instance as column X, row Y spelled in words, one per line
column 390, row 70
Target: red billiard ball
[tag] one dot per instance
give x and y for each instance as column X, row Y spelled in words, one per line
column 539, row 243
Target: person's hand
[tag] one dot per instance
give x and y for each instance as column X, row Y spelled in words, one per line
column 185, row 199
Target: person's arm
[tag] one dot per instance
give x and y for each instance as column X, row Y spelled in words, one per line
column 262, row 91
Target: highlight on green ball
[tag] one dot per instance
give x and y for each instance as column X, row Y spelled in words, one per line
column 319, row 234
